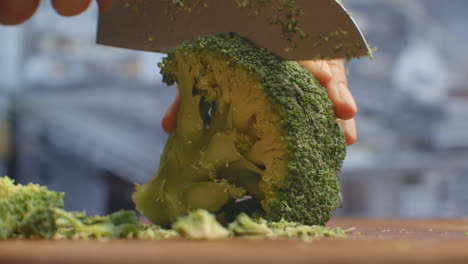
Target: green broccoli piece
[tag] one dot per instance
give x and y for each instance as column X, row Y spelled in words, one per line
column 285, row 229
column 154, row 232
column 33, row 211
column 78, row 225
column 27, row 210
column 246, row 226
column 200, row 224
column 254, row 132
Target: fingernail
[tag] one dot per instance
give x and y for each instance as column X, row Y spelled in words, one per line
column 347, row 97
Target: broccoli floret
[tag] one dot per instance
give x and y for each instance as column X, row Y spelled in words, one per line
column 27, row 210
column 252, row 129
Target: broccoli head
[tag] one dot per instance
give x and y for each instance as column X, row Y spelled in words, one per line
column 254, row 133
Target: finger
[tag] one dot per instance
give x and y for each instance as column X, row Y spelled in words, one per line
column 104, row 5
column 169, row 120
column 70, row 7
column 13, row 12
column 319, row 69
column 349, row 130
column 338, row 91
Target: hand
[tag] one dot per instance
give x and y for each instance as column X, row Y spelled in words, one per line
column 333, row 77
column 13, row 12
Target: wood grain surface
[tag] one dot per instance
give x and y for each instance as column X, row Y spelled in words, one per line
column 373, row 241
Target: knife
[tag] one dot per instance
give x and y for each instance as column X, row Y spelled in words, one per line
column 157, row 25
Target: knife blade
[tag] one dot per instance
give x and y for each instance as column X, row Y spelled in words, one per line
column 149, row 25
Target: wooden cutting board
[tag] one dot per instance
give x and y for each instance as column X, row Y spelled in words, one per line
column 373, row 241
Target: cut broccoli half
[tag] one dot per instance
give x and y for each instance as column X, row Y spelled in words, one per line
column 254, row 134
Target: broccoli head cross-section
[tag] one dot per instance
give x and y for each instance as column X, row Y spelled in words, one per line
column 254, row 133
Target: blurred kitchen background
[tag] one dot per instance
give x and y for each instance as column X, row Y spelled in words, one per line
column 85, row 119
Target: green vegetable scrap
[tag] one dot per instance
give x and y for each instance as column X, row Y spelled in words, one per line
column 260, row 228
column 78, row 225
column 243, row 225
column 200, row 224
column 466, row 234
column 27, row 210
column 33, row 211
column 153, row 232
column 255, row 134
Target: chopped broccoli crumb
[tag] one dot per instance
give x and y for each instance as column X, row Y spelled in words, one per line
column 78, row 225
column 33, row 211
column 153, row 232
column 260, row 228
column 200, row 224
column 27, row 210
column 243, row 225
